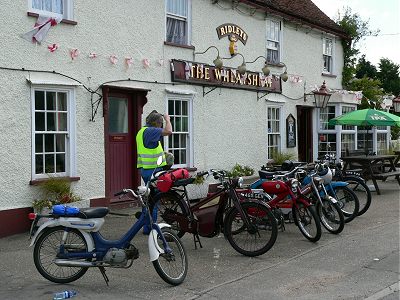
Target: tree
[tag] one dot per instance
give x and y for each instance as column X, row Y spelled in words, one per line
column 365, row 68
column 372, row 92
column 389, row 76
column 356, row 29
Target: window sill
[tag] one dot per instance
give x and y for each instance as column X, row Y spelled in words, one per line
column 279, row 65
column 328, row 75
column 179, row 45
column 39, row 181
column 65, row 21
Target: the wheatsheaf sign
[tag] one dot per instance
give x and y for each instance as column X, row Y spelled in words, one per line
column 202, row 74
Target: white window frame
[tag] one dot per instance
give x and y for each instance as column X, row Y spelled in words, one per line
column 68, row 9
column 331, row 55
column 280, row 107
column 327, row 131
column 187, row 18
column 189, row 141
column 70, row 156
column 279, row 41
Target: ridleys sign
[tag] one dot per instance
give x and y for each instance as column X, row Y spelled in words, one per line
column 203, row 74
column 233, row 32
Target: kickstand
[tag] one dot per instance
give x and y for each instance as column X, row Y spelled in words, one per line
column 103, row 272
column 196, row 239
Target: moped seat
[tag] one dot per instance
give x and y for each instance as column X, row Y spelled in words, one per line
column 92, row 212
column 266, row 174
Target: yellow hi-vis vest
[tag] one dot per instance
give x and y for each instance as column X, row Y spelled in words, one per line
column 147, row 158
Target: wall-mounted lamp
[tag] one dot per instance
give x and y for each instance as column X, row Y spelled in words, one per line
column 284, row 75
column 396, row 104
column 218, row 63
column 322, row 96
column 264, row 69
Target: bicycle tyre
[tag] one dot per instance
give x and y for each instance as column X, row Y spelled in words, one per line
column 361, row 189
column 307, row 216
column 46, row 249
column 175, row 274
column 331, row 216
column 169, row 206
column 265, row 228
column 348, row 202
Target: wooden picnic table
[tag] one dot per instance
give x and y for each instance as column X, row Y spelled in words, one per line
column 397, row 159
column 373, row 167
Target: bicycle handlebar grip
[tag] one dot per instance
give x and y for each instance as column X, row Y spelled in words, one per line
column 119, row 193
column 199, row 174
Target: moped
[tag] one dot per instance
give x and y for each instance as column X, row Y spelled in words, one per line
column 69, row 242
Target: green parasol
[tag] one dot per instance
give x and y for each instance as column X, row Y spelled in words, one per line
column 367, row 118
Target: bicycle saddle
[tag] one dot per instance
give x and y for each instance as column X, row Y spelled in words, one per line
column 92, row 212
column 266, row 174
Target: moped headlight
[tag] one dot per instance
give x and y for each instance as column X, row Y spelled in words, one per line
column 240, row 182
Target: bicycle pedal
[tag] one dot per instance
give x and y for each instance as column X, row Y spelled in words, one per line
column 132, row 252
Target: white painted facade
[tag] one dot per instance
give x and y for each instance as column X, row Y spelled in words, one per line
column 228, row 125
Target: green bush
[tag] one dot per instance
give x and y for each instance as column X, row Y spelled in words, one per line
column 239, row 170
column 54, row 191
column 280, row 157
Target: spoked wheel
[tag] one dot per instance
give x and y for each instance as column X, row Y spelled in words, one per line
column 261, row 235
column 363, row 193
column 171, row 267
column 348, row 202
column 308, row 221
column 331, row 216
column 170, row 207
column 46, row 248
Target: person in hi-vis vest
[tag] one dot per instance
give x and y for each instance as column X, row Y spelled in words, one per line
column 149, row 148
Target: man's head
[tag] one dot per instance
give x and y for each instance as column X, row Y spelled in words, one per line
column 154, row 119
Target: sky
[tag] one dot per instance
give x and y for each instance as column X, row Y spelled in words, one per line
column 380, row 14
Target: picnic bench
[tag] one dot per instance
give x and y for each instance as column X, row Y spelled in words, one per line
column 373, row 167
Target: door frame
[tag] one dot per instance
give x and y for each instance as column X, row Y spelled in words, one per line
column 138, row 99
column 305, row 133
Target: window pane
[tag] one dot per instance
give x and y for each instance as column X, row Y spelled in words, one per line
column 177, row 7
column 62, row 101
column 39, row 121
column 49, row 143
column 51, row 101
column 171, row 107
column 185, row 124
column 39, row 167
column 348, row 143
column 118, row 115
column 183, row 156
column 38, row 143
column 60, row 163
column 177, row 127
column 60, row 143
column 176, row 31
column 51, row 121
column 62, row 121
column 39, row 100
column 183, row 140
column 175, row 143
column 49, row 163
column 184, row 108
column 178, row 107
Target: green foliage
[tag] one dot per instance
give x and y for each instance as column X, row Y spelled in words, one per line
column 239, row 170
column 371, row 91
column 389, row 76
column 356, row 29
column 395, row 132
column 54, row 191
column 364, row 68
column 280, row 157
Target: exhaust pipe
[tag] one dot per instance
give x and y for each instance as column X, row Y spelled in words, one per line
column 76, row 263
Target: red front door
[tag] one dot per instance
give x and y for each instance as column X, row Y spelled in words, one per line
column 123, row 110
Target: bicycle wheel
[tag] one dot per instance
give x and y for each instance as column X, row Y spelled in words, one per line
column 46, row 248
column 171, row 267
column 362, row 191
column 261, row 235
column 331, row 216
column 307, row 221
column 348, row 202
column 170, row 207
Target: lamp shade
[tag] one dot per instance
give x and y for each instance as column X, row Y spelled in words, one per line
column 321, row 96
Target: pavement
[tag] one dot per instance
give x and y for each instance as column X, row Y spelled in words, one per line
column 360, row 263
